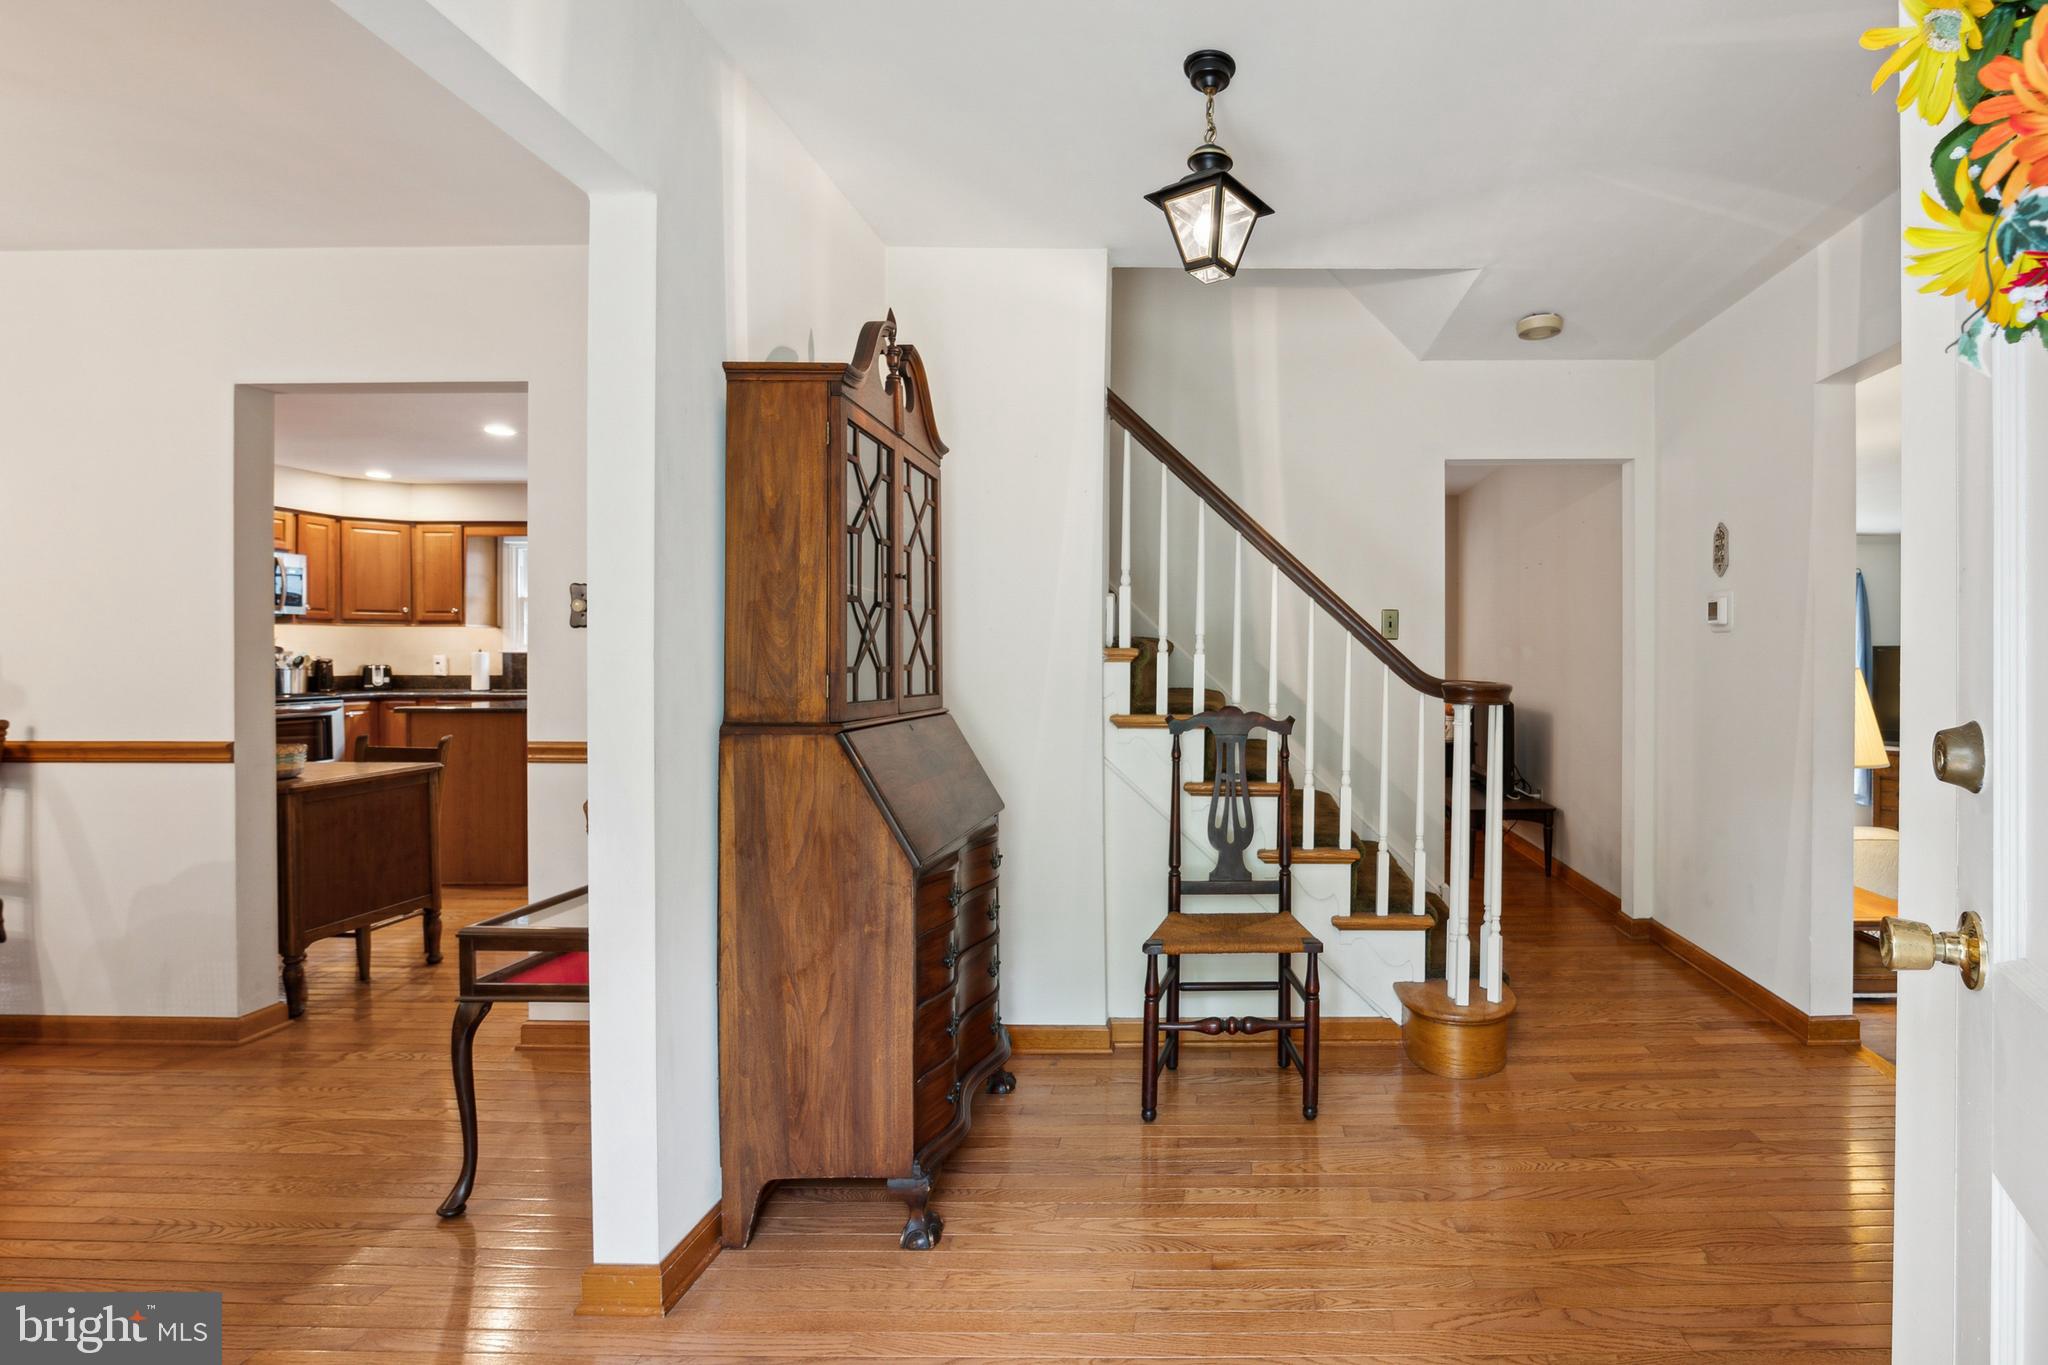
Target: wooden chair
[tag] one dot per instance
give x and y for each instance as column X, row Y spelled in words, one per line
column 430, row 927
column 1202, row 935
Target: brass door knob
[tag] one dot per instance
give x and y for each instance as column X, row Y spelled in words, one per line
column 1909, row 946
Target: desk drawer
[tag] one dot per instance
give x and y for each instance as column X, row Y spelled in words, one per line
column 938, row 1025
column 935, row 900
column 980, row 912
column 979, row 863
column 978, row 1035
column 937, row 1099
column 935, row 958
column 978, row 967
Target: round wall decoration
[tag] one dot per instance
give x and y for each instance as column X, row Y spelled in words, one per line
column 1721, row 549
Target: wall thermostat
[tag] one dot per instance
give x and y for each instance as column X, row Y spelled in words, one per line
column 1721, row 611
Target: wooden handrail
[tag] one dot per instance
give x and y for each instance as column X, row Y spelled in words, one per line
column 1454, row 691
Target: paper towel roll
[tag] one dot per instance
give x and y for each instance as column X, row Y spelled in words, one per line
column 480, row 671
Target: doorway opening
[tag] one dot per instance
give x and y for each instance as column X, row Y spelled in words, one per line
column 1533, row 555
column 1879, row 659
column 398, row 657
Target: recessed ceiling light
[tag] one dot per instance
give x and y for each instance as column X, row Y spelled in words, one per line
column 376, row 473
column 500, row 429
column 1540, row 326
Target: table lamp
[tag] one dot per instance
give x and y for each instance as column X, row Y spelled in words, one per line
column 1869, row 739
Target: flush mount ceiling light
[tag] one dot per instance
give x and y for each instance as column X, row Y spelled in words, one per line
column 500, row 429
column 376, row 473
column 1540, row 326
column 1209, row 210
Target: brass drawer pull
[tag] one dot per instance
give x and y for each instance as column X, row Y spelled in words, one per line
column 993, row 906
column 953, row 896
column 993, row 964
column 953, row 1028
column 995, row 861
column 953, row 1095
column 952, row 956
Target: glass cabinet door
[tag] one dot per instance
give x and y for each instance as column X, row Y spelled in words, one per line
column 918, row 630
column 865, row 681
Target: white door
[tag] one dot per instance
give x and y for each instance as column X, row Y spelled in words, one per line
column 1972, row 1173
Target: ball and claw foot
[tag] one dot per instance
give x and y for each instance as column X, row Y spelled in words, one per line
column 922, row 1232
column 1002, row 1083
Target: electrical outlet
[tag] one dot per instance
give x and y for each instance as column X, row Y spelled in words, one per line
column 1390, row 622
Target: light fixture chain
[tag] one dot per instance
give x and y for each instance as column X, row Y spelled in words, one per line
column 1209, row 113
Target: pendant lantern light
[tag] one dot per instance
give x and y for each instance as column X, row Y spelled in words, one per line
column 1209, row 210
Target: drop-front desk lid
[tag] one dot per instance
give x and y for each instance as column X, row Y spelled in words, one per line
column 927, row 781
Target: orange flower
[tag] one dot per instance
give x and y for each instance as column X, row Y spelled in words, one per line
column 2018, row 118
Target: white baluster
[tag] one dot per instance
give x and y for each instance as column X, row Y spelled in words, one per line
column 1383, row 861
column 1237, row 621
column 1489, row 936
column 1159, row 702
column 1109, row 618
column 1420, row 891
column 1344, row 776
column 1308, row 748
column 1457, row 942
column 1273, row 673
column 1200, row 696
column 1123, row 582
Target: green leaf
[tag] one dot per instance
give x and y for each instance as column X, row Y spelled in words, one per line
column 1967, row 345
column 1999, row 27
column 2023, row 228
column 1953, row 147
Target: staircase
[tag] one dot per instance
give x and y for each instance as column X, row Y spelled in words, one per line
column 1391, row 949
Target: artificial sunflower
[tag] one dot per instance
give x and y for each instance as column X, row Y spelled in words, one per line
column 1959, row 254
column 1940, row 36
column 2018, row 118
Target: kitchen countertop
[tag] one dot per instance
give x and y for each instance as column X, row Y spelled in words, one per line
column 506, row 704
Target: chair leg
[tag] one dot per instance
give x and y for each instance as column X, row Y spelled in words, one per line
column 1311, row 1038
column 1149, row 1082
column 363, row 954
column 1286, row 1013
column 1172, row 1014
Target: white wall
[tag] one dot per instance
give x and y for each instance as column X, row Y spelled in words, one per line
column 308, row 490
column 1313, row 416
column 712, row 234
column 1015, row 342
column 1756, row 428
column 132, row 890
column 1877, row 558
column 1536, row 568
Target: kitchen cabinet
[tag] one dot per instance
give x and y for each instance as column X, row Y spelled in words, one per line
column 283, row 530
column 437, row 573
column 483, row 790
column 359, row 719
column 319, row 541
column 376, row 571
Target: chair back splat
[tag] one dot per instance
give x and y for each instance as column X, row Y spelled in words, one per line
column 1229, row 822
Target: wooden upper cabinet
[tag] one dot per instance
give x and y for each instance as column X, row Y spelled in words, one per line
column 376, row 571
column 437, row 573
column 283, row 529
column 320, row 543
column 832, row 537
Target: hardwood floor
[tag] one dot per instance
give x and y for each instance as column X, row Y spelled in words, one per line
column 1659, row 1175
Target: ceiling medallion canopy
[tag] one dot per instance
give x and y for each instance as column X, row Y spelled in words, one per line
column 1209, row 210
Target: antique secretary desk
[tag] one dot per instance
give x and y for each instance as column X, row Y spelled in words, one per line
column 858, row 905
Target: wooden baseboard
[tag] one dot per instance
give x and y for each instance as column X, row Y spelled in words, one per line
column 118, row 751
column 204, row 1031
column 648, row 1291
column 1807, row 1028
column 554, row 1035
column 557, row 751
column 1130, row 1032
column 1059, row 1039
column 1563, row 871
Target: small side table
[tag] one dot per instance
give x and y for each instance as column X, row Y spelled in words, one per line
column 552, row 941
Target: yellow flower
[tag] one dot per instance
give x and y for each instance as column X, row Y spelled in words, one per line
column 1941, row 34
column 1959, row 254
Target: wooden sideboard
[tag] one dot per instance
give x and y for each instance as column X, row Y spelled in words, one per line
column 859, row 907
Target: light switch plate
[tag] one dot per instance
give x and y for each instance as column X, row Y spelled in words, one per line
column 1721, row 612
column 1390, row 622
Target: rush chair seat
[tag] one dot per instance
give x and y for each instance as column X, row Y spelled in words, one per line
column 1179, row 935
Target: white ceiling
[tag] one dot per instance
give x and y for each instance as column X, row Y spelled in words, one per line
column 420, row 434
column 247, row 123
column 1880, row 506
column 1637, row 166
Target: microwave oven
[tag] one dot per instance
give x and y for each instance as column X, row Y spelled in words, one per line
column 288, row 584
